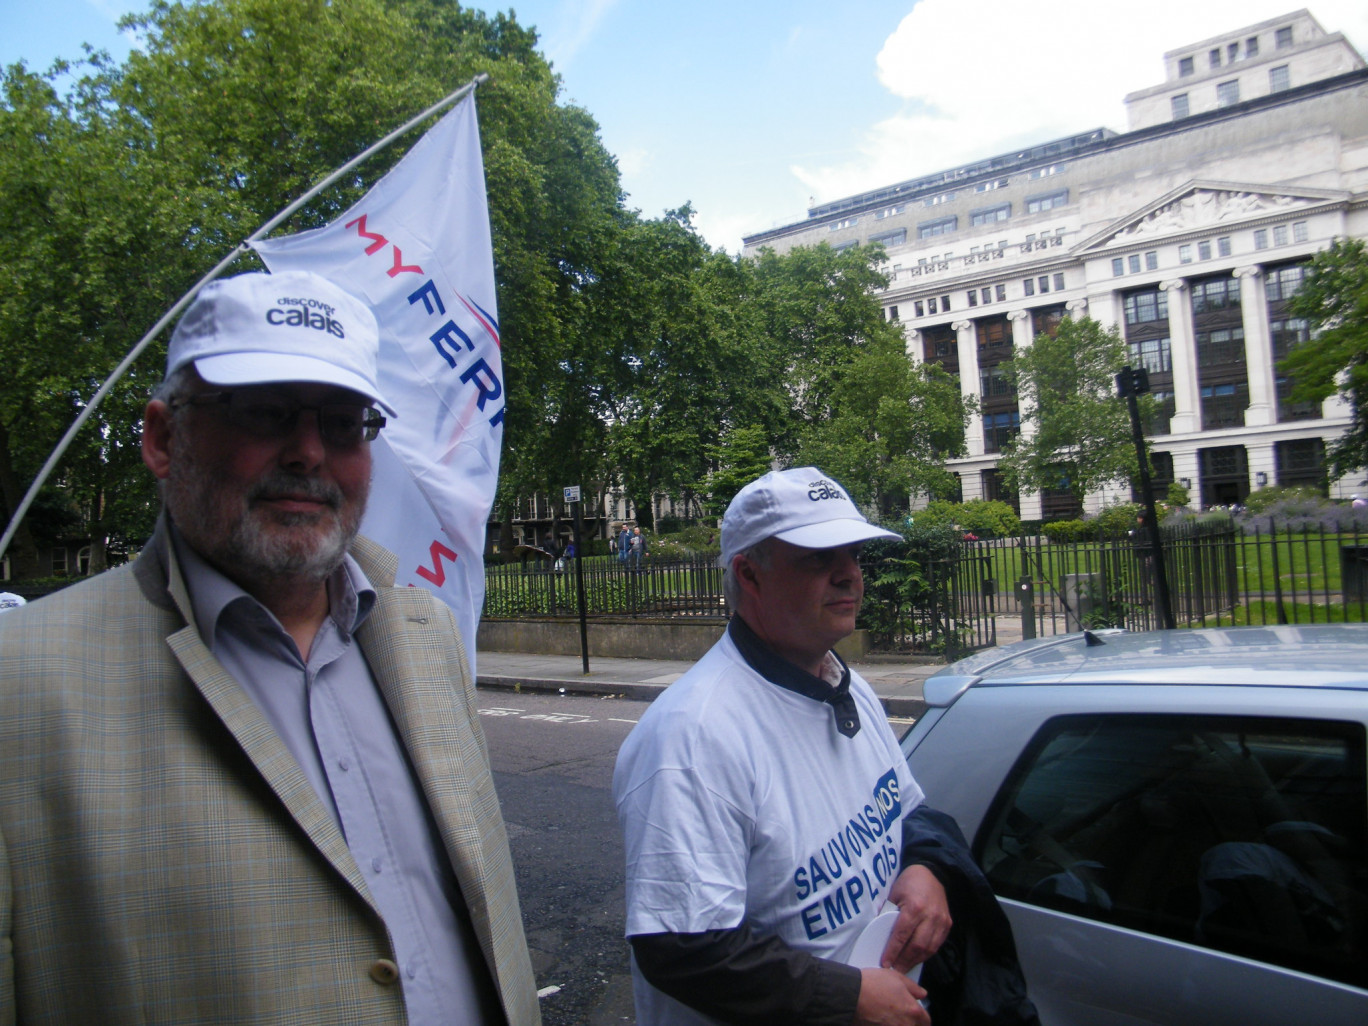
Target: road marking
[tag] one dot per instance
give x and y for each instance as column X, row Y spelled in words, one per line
column 901, row 719
column 499, row 711
column 548, row 991
column 616, row 719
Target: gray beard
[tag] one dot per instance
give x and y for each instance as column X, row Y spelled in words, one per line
column 237, row 538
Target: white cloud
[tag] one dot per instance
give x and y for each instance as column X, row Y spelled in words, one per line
column 980, row 77
column 573, row 28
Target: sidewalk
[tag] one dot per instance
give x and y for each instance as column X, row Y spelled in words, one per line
column 897, row 683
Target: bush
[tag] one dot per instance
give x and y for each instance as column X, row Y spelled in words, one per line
column 1067, row 530
column 1116, row 521
column 1308, row 500
column 1177, row 495
column 977, row 516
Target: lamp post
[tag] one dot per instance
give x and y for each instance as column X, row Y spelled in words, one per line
column 1130, row 384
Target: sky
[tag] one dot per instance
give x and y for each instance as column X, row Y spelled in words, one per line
column 753, row 110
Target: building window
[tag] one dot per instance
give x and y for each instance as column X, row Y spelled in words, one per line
column 1154, row 354
column 1133, row 261
column 1152, row 261
column 1260, row 238
column 1228, row 93
column 1144, row 307
column 842, row 246
column 993, row 214
column 1283, row 39
column 1214, row 58
column 930, row 229
column 1220, row 349
column 879, row 215
column 1184, row 67
column 1204, row 250
column 1232, row 52
column 1301, row 461
column 973, row 297
column 945, row 304
column 1001, row 291
column 849, row 222
column 1185, row 254
column 1280, row 235
column 996, row 183
column 1044, row 282
column 1283, row 282
column 1178, row 106
column 1223, row 245
column 1059, row 281
column 59, row 562
column 1038, row 204
column 918, row 308
column 931, row 305
column 1279, row 79
column 1118, row 267
column 1215, row 294
column 999, row 429
column 893, row 313
column 1044, row 172
column 897, row 238
column 1252, row 47
column 987, row 295
column 1299, row 231
column 1029, row 286
column 996, row 382
column 932, row 201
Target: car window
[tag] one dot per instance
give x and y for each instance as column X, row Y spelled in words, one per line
column 1244, row 834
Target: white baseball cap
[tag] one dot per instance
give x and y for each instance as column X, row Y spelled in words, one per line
column 801, row 506
column 257, row 329
column 9, row 600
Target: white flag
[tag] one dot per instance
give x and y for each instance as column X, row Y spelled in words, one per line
column 417, row 249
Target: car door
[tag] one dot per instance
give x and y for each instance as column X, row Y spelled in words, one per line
column 1207, row 863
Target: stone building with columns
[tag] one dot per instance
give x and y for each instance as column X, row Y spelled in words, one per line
column 1189, row 231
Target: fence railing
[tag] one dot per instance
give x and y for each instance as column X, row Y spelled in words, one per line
column 682, row 587
column 1219, row 575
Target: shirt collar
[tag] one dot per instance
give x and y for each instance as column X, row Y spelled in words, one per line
column 779, row 671
column 350, row 593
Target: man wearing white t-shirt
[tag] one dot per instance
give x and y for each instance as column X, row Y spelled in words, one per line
column 763, row 799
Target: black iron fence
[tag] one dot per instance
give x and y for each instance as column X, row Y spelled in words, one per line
column 975, row 593
column 677, row 587
column 1219, row 575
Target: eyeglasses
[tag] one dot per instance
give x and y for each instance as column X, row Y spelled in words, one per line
column 268, row 414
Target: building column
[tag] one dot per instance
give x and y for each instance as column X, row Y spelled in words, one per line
column 1105, row 308
column 1263, row 385
column 1187, row 400
column 1260, row 459
column 1077, row 309
column 1023, row 338
column 967, row 342
column 913, row 346
column 1185, row 469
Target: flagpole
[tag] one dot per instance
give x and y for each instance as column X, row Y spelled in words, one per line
column 171, row 314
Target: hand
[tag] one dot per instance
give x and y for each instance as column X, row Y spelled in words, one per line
column 888, row 998
column 923, row 919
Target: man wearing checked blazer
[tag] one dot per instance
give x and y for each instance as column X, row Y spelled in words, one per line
column 242, row 780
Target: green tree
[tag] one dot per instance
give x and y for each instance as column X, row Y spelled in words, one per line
column 122, row 193
column 892, row 427
column 1081, row 437
column 1334, row 299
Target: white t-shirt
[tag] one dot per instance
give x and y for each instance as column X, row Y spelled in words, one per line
column 739, row 800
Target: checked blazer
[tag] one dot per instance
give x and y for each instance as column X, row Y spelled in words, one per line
column 163, row 858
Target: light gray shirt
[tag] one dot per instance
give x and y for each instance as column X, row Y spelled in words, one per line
column 332, row 717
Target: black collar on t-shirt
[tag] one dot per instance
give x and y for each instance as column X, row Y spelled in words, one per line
column 778, row 670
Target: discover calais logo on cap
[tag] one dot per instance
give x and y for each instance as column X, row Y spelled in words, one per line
column 259, row 329
column 801, row 506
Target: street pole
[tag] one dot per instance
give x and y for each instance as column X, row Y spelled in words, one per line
column 1131, row 384
column 572, row 496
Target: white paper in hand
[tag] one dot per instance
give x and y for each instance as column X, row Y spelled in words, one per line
column 869, row 946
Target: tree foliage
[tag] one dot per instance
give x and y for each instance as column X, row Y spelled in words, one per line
column 633, row 353
column 1076, row 430
column 1334, row 299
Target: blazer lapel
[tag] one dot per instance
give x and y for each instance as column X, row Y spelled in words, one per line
column 410, row 653
column 255, row 734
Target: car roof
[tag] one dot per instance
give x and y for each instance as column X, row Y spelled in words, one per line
column 1301, row 655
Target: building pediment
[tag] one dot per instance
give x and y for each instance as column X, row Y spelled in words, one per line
column 1199, row 207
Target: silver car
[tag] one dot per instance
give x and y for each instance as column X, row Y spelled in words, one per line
column 1175, row 822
